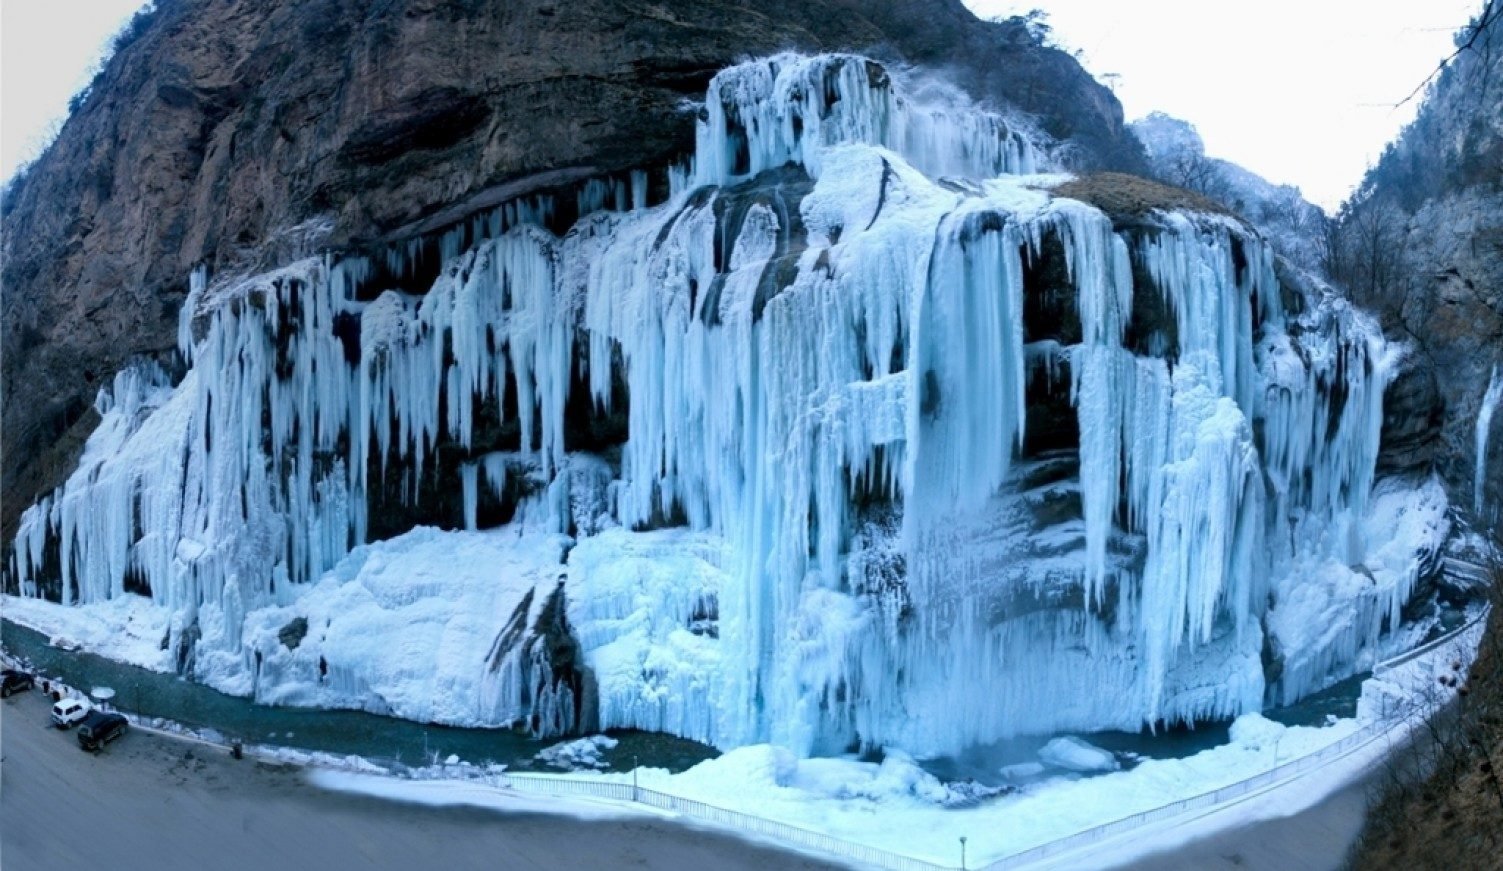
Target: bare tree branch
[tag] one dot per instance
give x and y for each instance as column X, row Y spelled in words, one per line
column 1491, row 14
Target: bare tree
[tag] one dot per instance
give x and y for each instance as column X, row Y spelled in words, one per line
column 1365, row 252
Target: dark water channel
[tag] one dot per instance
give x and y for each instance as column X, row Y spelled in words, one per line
column 378, row 738
column 391, row 740
column 983, row 763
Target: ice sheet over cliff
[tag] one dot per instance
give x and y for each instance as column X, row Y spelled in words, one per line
column 916, row 454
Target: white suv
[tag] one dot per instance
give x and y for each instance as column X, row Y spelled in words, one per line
column 69, row 712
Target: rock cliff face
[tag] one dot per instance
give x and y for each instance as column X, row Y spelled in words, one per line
column 1421, row 243
column 242, row 135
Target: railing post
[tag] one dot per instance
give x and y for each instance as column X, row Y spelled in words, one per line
column 635, row 795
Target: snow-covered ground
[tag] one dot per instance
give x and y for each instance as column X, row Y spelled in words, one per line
column 128, row 628
column 897, row 807
column 452, row 793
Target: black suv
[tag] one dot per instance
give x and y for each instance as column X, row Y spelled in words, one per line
column 99, row 728
column 12, row 681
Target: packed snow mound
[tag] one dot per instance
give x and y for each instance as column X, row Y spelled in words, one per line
column 1257, row 732
column 432, row 626
column 759, row 765
column 897, row 780
column 860, row 436
column 583, row 754
column 1073, row 754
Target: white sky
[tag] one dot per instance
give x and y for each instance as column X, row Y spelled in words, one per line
column 48, row 49
column 1299, row 91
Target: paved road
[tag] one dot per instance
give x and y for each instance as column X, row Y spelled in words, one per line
column 1315, row 839
column 153, row 803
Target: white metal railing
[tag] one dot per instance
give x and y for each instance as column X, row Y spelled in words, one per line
column 1394, row 662
column 810, row 840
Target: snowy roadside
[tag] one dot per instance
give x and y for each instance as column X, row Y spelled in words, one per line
column 442, row 784
column 1400, row 697
column 897, row 808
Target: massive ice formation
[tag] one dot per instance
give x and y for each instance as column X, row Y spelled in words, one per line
column 1484, row 431
column 957, row 458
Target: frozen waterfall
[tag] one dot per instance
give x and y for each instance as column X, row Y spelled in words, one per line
column 1484, row 433
column 914, row 453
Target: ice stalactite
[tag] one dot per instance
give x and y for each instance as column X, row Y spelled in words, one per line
column 867, row 492
column 793, row 108
column 1484, row 432
column 490, row 470
column 644, row 607
column 1322, row 422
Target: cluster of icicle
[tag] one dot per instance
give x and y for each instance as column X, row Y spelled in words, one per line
column 894, row 360
column 1484, row 432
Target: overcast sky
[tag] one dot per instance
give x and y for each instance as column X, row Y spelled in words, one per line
column 48, row 52
column 1299, row 91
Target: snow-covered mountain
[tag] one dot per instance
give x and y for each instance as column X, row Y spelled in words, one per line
column 1177, row 155
column 855, row 432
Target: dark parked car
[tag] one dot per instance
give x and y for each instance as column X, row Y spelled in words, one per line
column 12, row 681
column 100, row 728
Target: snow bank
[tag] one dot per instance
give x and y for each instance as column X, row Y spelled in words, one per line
column 127, row 628
column 584, row 753
column 1073, row 754
column 898, row 807
column 412, row 627
column 458, row 793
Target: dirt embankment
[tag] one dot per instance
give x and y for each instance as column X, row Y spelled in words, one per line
column 1441, row 807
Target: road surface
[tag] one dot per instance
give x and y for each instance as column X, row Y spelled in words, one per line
column 1315, row 839
column 149, row 802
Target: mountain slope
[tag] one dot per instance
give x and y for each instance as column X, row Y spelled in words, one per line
column 1421, row 242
